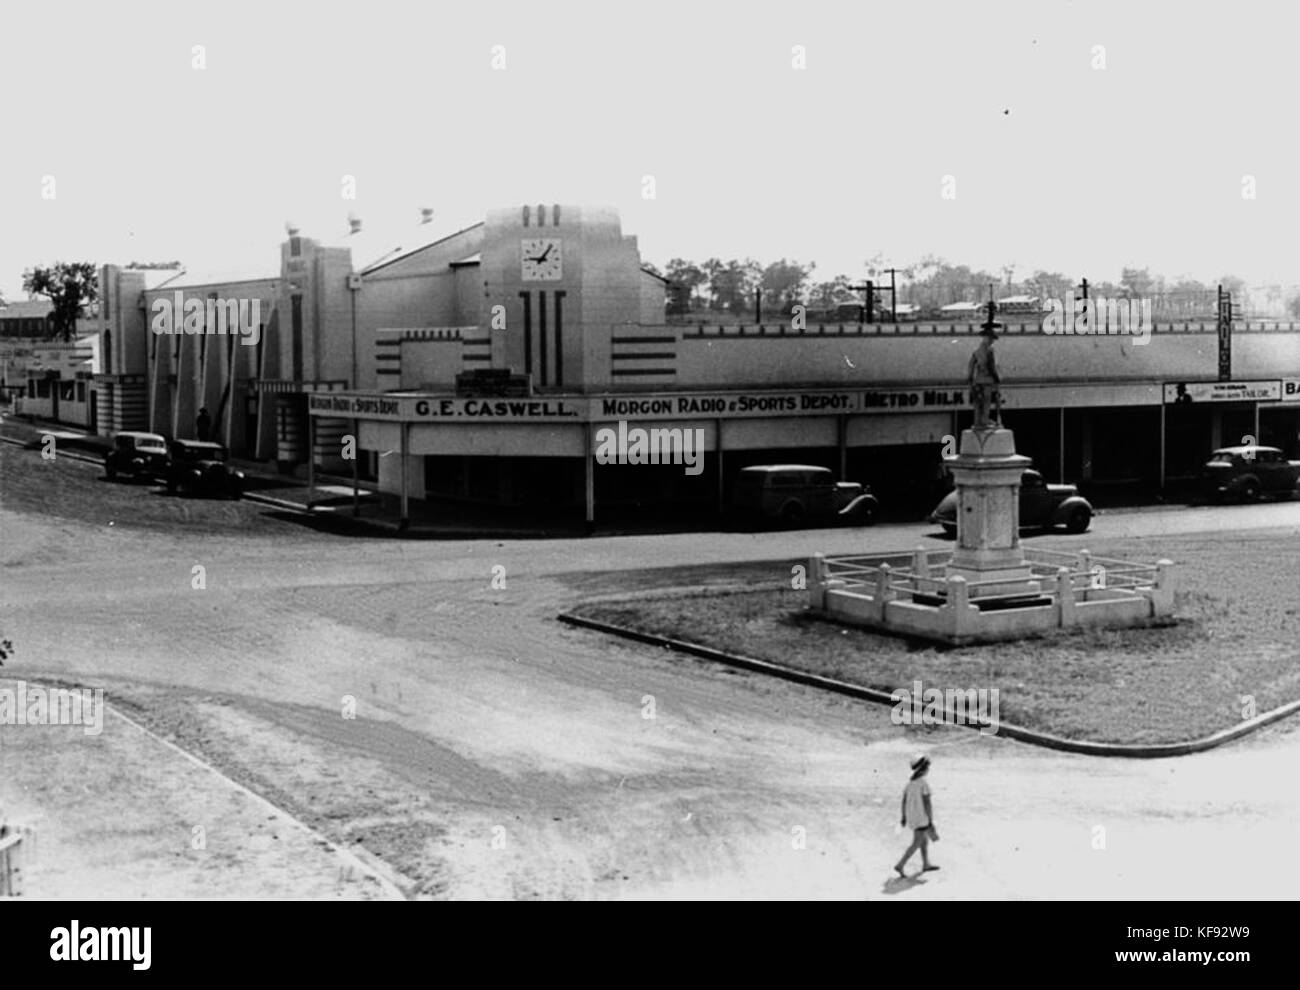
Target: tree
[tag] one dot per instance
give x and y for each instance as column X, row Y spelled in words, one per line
column 1237, row 286
column 713, row 269
column 69, row 286
column 943, row 283
column 1050, row 285
column 783, row 283
column 731, row 283
column 689, row 276
column 827, row 295
column 875, row 266
column 1136, row 282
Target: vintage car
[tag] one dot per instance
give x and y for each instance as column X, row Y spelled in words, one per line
column 200, row 468
column 801, row 494
column 1248, row 472
column 1041, row 505
column 136, row 455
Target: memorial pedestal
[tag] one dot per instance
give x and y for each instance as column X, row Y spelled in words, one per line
column 987, row 473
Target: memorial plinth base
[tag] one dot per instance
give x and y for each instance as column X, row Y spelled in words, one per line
column 987, row 591
column 987, row 473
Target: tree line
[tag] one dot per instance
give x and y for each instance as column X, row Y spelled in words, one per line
column 731, row 286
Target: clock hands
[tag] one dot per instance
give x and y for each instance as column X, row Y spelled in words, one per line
column 542, row 257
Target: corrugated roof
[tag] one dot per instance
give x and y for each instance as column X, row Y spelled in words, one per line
column 418, row 242
column 26, row 309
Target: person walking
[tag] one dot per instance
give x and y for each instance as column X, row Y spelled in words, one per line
column 918, row 815
column 203, row 425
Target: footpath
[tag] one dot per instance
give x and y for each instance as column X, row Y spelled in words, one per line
column 330, row 503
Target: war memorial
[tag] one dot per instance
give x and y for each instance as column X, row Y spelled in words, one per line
column 989, row 587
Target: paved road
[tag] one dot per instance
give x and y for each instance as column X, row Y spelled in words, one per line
column 496, row 753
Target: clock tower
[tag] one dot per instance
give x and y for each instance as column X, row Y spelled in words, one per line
column 549, row 273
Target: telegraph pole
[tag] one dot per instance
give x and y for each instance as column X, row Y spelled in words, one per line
column 870, row 290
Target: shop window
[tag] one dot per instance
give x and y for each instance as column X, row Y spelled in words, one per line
column 81, row 391
column 42, row 388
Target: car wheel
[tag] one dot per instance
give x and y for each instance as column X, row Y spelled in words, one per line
column 1250, row 491
column 867, row 515
column 950, row 530
column 171, row 485
column 792, row 514
column 1078, row 519
column 110, row 472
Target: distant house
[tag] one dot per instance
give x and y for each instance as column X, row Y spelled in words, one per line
column 1020, row 305
column 29, row 319
column 961, row 310
column 43, row 377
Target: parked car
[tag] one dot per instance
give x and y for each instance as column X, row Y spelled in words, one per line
column 136, row 455
column 200, row 468
column 1248, row 472
column 1041, row 506
column 798, row 494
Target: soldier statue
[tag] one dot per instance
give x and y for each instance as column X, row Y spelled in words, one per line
column 983, row 376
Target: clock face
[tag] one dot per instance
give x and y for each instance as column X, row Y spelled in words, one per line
column 540, row 259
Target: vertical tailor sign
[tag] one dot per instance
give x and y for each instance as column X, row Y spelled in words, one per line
column 1225, row 336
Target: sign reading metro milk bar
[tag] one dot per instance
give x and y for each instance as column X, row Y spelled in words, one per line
column 728, row 405
column 397, row 407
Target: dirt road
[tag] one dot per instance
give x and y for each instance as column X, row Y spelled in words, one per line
column 497, row 753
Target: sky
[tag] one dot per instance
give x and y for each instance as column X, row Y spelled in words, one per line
column 1055, row 163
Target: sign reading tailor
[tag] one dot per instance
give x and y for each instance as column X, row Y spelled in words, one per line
column 657, row 445
column 214, row 316
column 1181, row 393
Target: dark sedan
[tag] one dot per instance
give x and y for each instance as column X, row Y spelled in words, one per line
column 1248, row 472
column 200, row 468
column 136, row 455
column 1041, row 505
column 801, row 494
